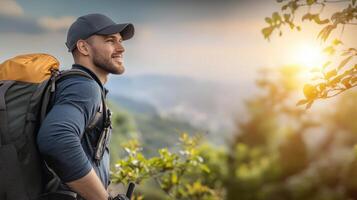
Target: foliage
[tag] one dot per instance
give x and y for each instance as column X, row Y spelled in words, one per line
column 269, row 157
column 124, row 128
column 330, row 80
column 265, row 152
column 169, row 170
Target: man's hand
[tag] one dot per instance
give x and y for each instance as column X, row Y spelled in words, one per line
column 89, row 187
column 121, row 197
column 128, row 195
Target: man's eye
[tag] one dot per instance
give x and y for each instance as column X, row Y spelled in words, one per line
column 113, row 41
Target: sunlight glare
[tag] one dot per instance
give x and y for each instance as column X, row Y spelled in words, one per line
column 310, row 56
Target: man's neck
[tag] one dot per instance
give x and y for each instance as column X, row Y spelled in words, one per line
column 101, row 74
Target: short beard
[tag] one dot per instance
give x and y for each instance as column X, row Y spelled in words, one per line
column 106, row 64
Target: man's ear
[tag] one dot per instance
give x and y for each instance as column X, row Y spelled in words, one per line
column 83, row 47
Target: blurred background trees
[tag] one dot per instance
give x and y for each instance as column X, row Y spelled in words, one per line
column 280, row 151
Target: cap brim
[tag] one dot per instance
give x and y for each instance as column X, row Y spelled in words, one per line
column 126, row 30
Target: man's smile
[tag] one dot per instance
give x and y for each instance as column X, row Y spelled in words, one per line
column 118, row 58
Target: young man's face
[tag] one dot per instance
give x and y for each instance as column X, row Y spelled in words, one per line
column 106, row 52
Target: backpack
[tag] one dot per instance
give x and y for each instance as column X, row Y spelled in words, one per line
column 27, row 85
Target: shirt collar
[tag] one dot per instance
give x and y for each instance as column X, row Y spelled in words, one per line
column 92, row 74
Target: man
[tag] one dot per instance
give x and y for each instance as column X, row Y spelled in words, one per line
column 65, row 141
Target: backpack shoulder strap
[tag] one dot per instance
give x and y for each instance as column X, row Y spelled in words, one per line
column 105, row 133
column 51, row 87
column 103, row 107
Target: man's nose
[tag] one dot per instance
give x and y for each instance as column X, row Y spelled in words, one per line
column 119, row 47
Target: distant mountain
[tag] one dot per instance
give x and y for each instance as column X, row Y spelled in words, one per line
column 134, row 106
column 205, row 104
column 132, row 119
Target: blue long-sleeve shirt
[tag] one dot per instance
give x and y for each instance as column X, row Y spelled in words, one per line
column 63, row 140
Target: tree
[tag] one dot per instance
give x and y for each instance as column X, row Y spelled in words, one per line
column 270, row 158
column 268, row 148
column 332, row 78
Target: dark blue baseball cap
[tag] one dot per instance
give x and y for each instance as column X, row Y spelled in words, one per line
column 96, row 24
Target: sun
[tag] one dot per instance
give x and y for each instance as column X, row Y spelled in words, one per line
column 309, row 55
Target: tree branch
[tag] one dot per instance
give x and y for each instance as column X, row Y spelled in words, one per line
column 339, row 92
column 160, row 185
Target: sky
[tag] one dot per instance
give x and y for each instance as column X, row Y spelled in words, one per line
column 203, row 39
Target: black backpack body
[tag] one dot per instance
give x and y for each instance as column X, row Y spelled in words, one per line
column 27, row 84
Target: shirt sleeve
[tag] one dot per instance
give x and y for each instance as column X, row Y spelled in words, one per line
column 59, row 137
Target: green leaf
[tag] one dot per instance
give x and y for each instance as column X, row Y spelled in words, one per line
column 330, row 50
column 293, row 6
column 336, row 42
column 335, row 80
column 310, row 91
column 354, row 80
column 267, row 31
column 287, row 17
column 291, row 25
column 345, row 53
column 317, row 20
column 174, row 178
column 307, row 16
column 204, row 168
column 284, row 7
column 310, row 2
column 322, row 86
column 344, row 62
column 326, row 31
column 354, row 2
column 331, row 73
column 276, row 17
column 184, row 137
column 326, row 64
column 268, row 20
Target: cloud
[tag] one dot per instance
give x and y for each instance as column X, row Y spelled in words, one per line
column 56, row 24
column 10, row 8
column 22, row 24
column 10, row 24
column 14, row 20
